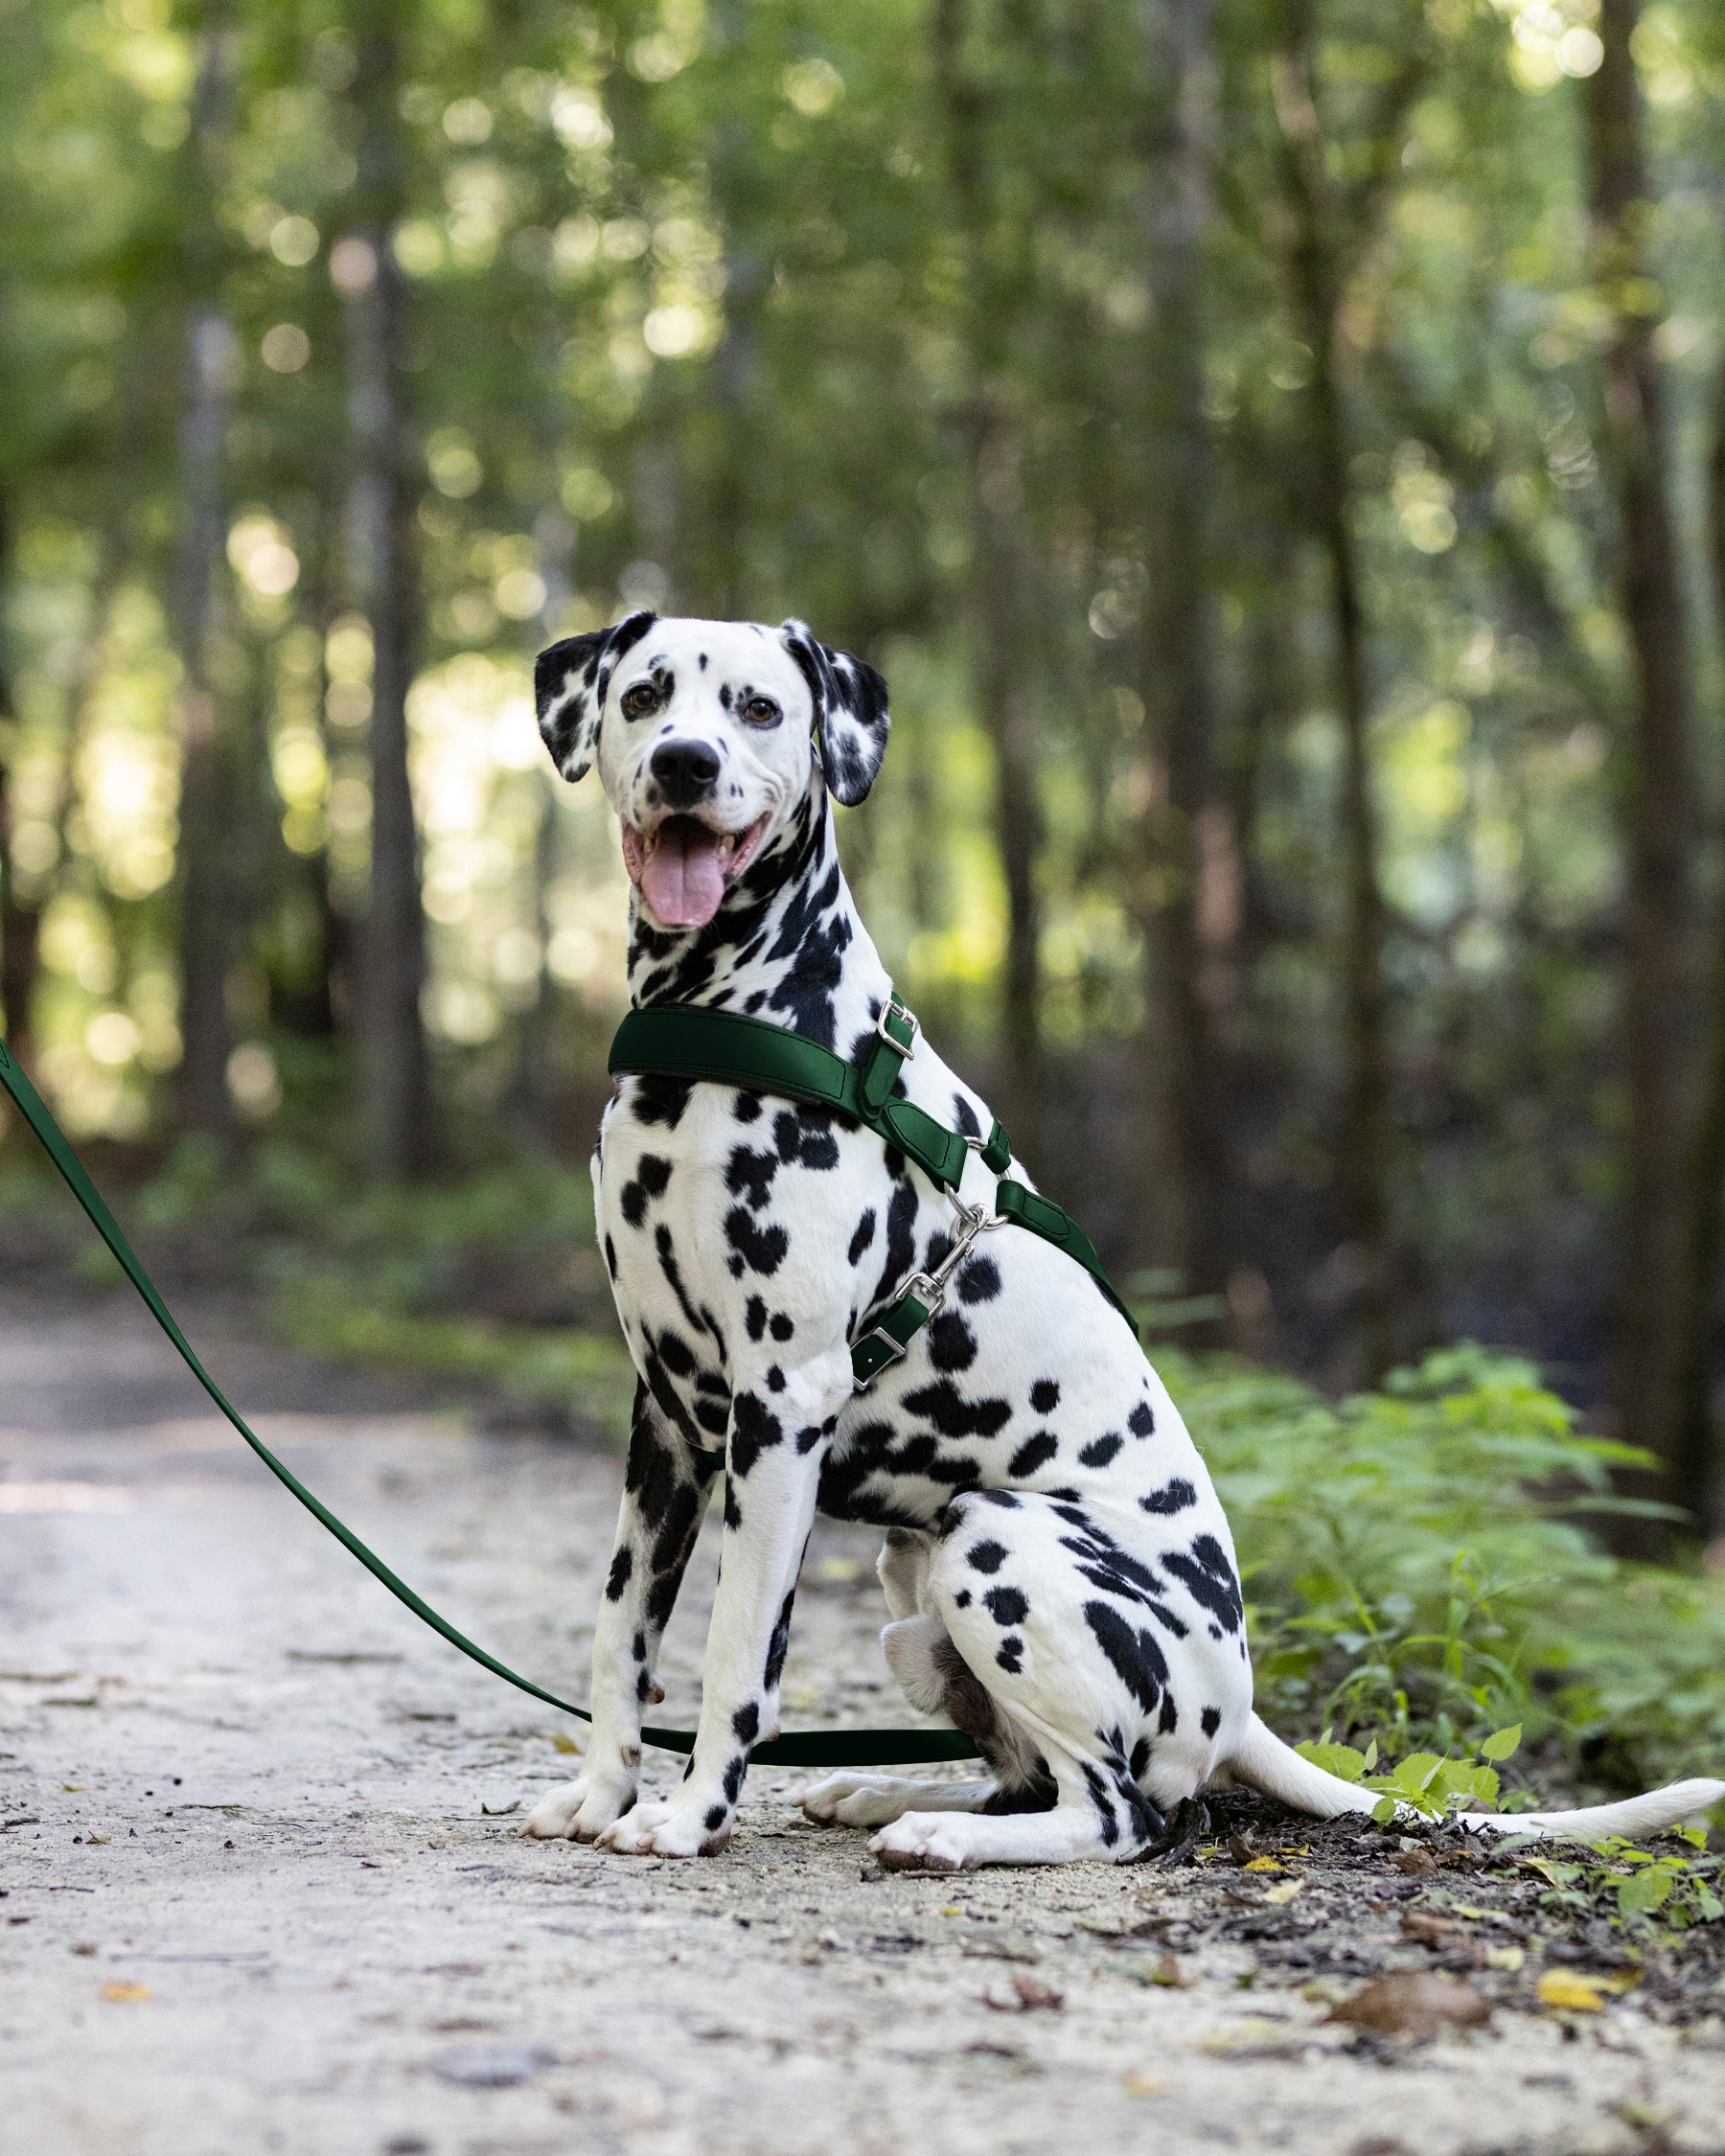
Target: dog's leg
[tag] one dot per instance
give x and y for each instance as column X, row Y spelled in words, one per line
column 777, row 1437
column 903, row 1570
column 878, row 1800
column 664, row 1496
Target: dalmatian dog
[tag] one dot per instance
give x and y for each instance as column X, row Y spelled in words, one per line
column 1058, row 1571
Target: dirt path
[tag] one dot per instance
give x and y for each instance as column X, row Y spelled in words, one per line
column 253, row 1900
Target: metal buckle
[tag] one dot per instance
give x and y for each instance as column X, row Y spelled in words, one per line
column 894, row 1008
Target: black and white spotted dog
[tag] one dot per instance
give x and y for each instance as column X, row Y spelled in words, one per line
column 1059, row 1573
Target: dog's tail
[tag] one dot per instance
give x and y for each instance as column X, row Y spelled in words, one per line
column 1265, row 1763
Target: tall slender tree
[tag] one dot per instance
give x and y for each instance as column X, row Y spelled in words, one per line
column 1659, row 804
column 208, row 892
column 382, row 558
column 1001, row 590
column 1183, row 1057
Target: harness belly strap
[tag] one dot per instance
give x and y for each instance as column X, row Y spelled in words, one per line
column 689, row 1040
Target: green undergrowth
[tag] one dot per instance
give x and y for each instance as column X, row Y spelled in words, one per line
column 1419, row 1568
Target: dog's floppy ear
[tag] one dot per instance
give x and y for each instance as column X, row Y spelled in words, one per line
column 569, row 681
column 851, row 719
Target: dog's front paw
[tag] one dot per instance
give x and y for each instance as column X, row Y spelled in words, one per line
column 580, row 1810
column 664, row 1828
column 929, row 1840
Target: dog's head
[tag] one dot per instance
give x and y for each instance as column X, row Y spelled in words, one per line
column 708, row 735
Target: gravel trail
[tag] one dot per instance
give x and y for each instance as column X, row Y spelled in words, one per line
column 261, row 1890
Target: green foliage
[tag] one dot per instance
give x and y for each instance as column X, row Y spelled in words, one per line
column 1424, row 1781
column 1636, row 1890
column 1418, row 1565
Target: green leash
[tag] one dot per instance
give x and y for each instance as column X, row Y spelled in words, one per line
column 813, row 1747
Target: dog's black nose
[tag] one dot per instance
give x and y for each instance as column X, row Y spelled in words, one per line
column 685, row 770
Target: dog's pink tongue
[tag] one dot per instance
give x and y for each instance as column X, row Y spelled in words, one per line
column 682, row 880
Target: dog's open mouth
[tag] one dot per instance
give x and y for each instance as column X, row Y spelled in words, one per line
column 682, row 867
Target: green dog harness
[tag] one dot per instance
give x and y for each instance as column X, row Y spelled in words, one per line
column 688, row 1040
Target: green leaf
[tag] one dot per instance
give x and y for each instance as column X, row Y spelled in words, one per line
column 1384, row 1810
column 1501, row 1743
column 1339, row 1759
column 1644, row 1891
column 1417, row 1771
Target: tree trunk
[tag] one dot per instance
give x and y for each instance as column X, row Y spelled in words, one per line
column 1362, row 1160
column 394, row 1070
column 1000, row 583
column 19, row 955
column 724, row 569
column 1694, row 1455
column 1186, row 837
column 1657, row 1065
column 208, row 897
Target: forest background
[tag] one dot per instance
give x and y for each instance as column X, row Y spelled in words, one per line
column 1274, row 448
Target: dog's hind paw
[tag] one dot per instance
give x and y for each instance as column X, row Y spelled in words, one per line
column 577, row 1811
column 927, row 1842
column 855, row 1800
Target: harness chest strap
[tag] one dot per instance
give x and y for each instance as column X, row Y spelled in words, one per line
column 689, row 1040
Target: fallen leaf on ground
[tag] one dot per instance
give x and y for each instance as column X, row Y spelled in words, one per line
column 1415, row 2003
column 1575, row 1990
column 1029, row 1995
column 99, row 1840
column 499, row 1811
column 1144, row 2084
column 1263, row 1863
column 561, row 1741
column 1257, row 2037
column 1508, row 1958
column 1432, row 1930
column 1285, row 1893
column 1417, row 1864
column 125, row 1994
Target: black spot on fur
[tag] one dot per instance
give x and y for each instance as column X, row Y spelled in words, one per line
column 661, row 1099
column 754, row 1317
column 747, row 1109
column 864, row 1236
column 952, row 1344
column 986, row 1556
column 1044, row 1396
column 621, row 1566
column 715, row 1819
column 652, row 1175
column 1209, row 1580
column 962, row 1599
column 944, row 1406
column 1010, row 1654
column 1141, row 1421
column 760, row 1249
column 781, row 1328
column 753, row 1430
column 1174, row 1496
column 745, row 1723
column 978, row 1280
column 1102, row 1450
column 736, row 1767
column 1034, row 1453
column 748, row 1175
column 778, row 1647
column 1007, row 1605
column 1135, row 1658
column 1210, row 1720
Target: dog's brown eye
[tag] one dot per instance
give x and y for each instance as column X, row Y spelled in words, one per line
column 639, row 698
column 760, row 711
